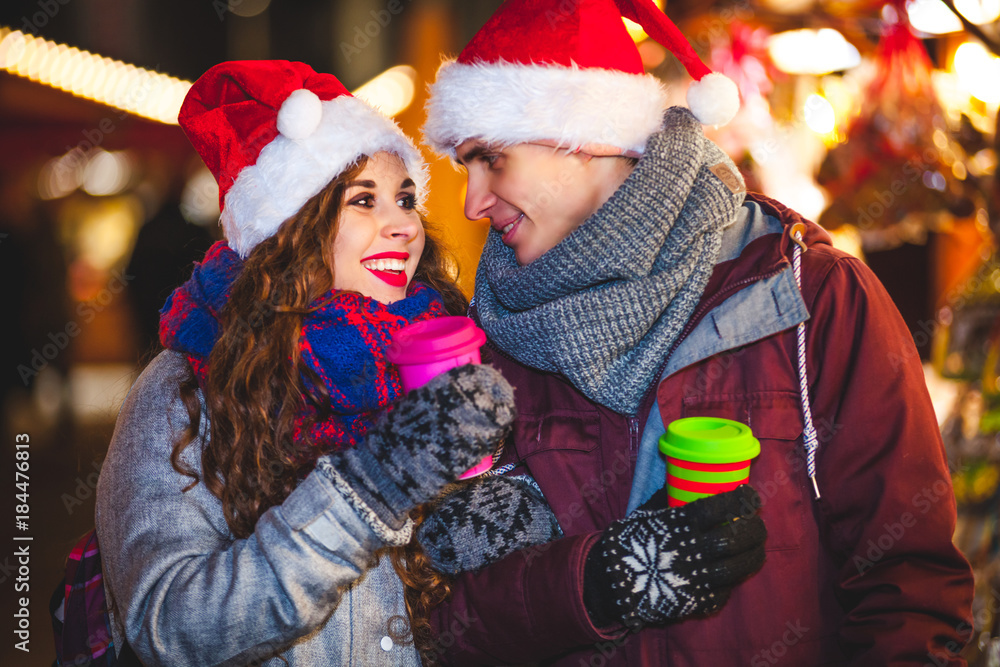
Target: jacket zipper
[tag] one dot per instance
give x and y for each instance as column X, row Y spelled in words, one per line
column 633, row 432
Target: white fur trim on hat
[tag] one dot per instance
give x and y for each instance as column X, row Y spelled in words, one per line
column 509, row 103
column 289, row 172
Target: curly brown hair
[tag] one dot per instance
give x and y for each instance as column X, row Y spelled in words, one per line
column 255, row 390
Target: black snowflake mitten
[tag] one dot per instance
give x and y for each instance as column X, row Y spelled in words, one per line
column 662, row 563
column 432, row 436
column 482, row 521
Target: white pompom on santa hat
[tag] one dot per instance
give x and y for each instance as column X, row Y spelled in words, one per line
column 274, row 133
column 567, row 73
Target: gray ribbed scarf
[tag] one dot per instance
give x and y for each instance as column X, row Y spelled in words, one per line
column 605, row 305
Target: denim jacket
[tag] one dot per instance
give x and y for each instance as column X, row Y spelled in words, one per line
column 184, row 592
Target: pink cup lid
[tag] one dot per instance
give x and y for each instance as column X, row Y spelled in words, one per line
column 433, row 340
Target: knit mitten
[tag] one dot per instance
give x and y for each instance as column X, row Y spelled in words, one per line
column 433, row 435
column 662, row 563
column 482, row 521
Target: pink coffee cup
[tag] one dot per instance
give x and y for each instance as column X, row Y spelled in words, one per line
column 426, row 349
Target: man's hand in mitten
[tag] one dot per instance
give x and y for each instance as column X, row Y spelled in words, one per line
column 484, row 520
column 662, row 563
column 433, row 435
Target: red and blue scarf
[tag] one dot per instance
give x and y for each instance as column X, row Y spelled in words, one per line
column 344, row 341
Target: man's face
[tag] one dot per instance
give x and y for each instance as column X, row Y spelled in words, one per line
column 534, row 195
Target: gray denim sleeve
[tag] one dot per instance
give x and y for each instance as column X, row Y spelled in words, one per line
column 186, row 592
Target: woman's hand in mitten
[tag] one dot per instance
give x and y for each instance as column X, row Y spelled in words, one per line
column 482, row 521
column 432, row 436
column 662, row 563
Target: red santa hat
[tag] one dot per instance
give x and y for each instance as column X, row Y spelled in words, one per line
column 567, row 71
column 275, row 133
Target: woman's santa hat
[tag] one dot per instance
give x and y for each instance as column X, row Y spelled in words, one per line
column 274, row 134
column 567, row 71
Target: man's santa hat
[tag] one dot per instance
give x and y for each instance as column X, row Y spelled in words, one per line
column 567, row 72
column 274, row 134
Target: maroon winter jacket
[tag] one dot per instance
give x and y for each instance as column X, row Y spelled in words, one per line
column 867, row 575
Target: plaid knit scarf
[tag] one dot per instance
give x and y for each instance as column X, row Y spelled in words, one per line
column 343, row 340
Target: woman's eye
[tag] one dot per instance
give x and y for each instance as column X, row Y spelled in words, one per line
column 364, row 201
column 491, row 159
column 407, row 201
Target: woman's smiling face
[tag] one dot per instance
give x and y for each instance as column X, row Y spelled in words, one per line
column 380, row 236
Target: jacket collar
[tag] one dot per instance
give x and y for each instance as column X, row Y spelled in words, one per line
column 752, row 292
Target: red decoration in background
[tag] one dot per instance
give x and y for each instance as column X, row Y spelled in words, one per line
column 745, row 60
column 889, row 178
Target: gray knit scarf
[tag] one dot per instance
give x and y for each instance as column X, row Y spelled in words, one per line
column 606, row 304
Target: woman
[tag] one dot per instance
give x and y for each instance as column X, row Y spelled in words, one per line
column 251, row 479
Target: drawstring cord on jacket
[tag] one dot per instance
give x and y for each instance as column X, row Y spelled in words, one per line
column 810, row 440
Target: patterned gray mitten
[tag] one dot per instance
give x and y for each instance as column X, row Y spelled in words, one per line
column 662, row 563
column 433, row 435
column 484, row 520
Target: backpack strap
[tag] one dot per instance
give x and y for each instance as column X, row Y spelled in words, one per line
column 80, row 620
column 810, row 440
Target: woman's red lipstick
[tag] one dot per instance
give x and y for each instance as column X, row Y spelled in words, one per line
column 396, row 279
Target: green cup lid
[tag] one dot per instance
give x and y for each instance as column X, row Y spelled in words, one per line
column 709, row 440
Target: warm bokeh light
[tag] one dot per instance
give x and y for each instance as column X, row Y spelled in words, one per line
column 147, row 93
column 819, row 115
column 635, row 30
column 933, row 17
column 810, row 51
column 107, row 173
column 88, row 75
column 248, row 8
column 391, row 91
column 978, row 72
column 979, row 12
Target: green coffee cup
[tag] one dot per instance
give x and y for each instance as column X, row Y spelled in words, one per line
column 705, row 456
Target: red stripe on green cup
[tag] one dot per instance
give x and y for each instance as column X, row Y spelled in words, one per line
column 705, row 456
column 709, row 467
column 707, row 488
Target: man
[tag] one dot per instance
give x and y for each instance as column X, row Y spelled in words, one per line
column 628, row 281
